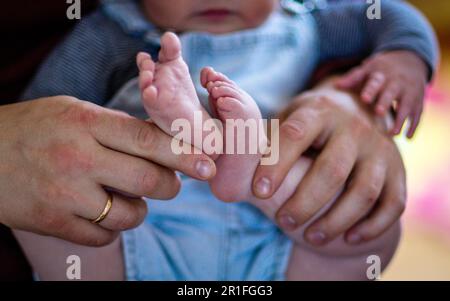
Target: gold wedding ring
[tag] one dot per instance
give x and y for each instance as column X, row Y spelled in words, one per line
column 105, row 212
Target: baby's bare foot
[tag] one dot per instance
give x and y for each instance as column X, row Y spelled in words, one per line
column 168, row 92
column 233, row 180
column 232, row 106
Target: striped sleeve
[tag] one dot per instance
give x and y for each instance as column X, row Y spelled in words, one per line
column 88, row 63
column 346, row 31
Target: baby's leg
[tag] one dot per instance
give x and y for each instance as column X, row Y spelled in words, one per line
column 242, row 132
column 233, row 180
column 49, row 256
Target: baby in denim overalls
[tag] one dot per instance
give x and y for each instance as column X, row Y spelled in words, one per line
column 268, row 51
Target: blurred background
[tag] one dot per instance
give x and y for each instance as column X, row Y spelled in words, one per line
column 424, row 252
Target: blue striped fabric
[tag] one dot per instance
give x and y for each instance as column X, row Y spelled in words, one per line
column 97, row 58
column 93, row 62
column 345, row 31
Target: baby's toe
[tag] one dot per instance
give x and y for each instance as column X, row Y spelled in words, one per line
column 149, row 95
column 141, row 57
column 147, row 65
column 205, row 76
column 210, row 75
column 213, row 85
column 221, row 77
column 170, row 47
column 228, row 105
column 225, row 91
column 145, row 79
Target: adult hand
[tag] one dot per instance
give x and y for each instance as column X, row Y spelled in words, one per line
column 57, row 156
column 355, row 152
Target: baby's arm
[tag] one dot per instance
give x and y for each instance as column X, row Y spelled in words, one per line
column 89, row 64
column 406, row 50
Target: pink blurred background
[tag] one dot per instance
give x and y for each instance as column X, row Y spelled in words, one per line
column 424, row 252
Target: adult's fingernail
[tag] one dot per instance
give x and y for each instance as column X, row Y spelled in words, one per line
column 204, row 169
column 354, row 238
column 287, row 222
column 263, row 186
column 316, row 237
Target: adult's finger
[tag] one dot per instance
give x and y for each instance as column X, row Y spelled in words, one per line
column 358, row 199
column 389, row 210
column 125, row 213
column 143, row 139
column 321, row 183
column 81, row 231
column 296, row 134
column 135, row 176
